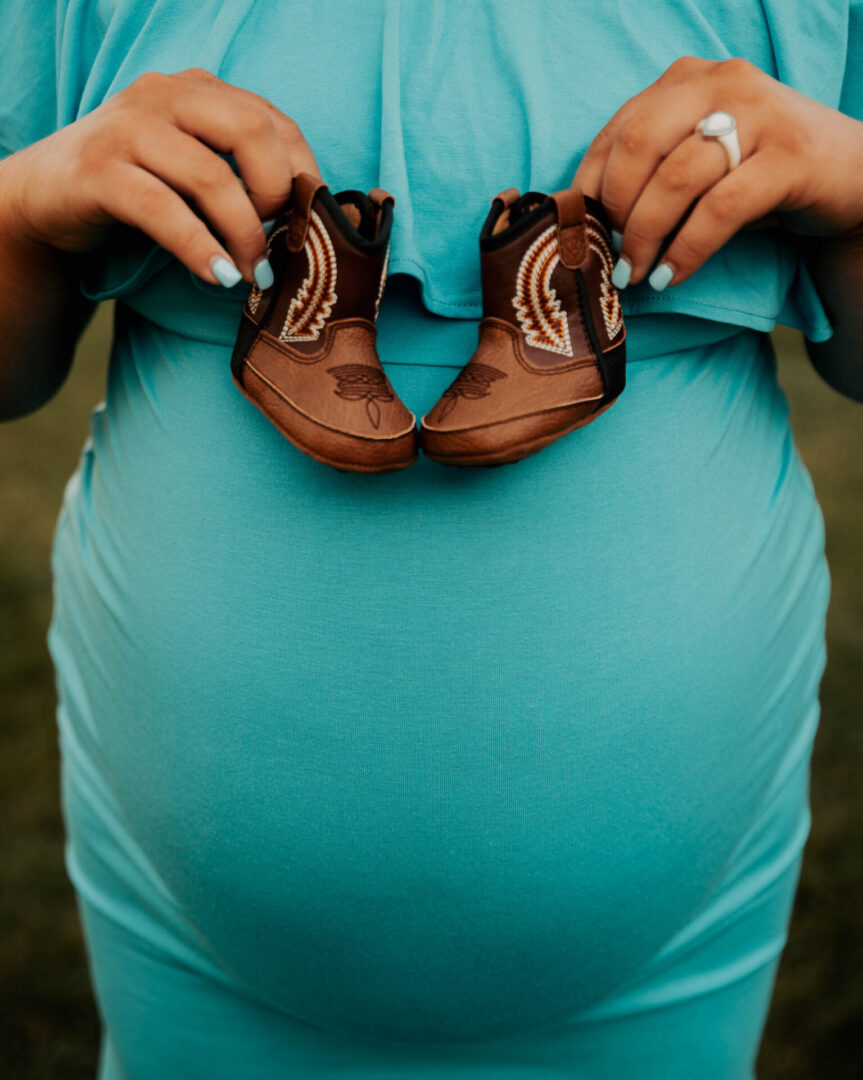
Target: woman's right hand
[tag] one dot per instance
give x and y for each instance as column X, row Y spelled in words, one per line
column 134, row 157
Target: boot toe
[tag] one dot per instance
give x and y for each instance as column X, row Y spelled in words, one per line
column 505, row 440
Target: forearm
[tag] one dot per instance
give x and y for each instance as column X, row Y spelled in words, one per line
column 42, row 311
column 836, row 267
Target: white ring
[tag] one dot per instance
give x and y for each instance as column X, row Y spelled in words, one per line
column 723, row 127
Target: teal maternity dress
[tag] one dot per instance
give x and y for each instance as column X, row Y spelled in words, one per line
column 464, row 773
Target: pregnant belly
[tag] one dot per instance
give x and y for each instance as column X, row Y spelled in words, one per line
column 445, row 753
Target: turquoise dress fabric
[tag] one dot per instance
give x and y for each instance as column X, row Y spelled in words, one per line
column 448, row 772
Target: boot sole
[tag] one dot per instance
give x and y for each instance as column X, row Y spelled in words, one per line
column 398, row 453
column 505, row 455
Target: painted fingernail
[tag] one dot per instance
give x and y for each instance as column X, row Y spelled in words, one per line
column 621, row 273
column 661, row 276
column 616, row 240
column 225, row 271
column 263, row 273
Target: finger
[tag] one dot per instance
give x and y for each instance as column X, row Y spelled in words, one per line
column 650, row 135
column 291, row 134
column 761, row 184
column 591, row 170
column 691, row 169
column 135, row 196
column 194, row 170
column 247, row 135
column 288, row 129
column 588, row 175
column 247, row 132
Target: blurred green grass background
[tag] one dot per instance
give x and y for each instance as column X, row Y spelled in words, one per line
column 48, row 1022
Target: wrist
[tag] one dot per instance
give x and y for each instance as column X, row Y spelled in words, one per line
column 16, row 226
column 13, row 188
column 24, row 247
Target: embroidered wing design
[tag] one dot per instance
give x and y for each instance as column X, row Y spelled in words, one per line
column 312, row 305
column 536, row 304
column 609, row 296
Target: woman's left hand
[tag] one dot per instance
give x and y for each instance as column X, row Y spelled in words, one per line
column 799, row 159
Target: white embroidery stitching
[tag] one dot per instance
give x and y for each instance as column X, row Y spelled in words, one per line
column 312, row 305
column 382, row 281
column 537, row 306
column 609, row 296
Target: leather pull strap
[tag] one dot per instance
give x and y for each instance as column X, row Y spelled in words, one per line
column 377, row 197
column 571, row 236
column 303, row 192
column 507, row 197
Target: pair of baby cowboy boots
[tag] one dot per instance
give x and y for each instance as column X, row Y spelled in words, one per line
column 550, row 355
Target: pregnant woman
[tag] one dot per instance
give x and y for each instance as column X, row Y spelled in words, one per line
column 443, row 772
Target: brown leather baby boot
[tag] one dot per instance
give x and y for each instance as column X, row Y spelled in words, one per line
column 305, row 352
column 551, row 354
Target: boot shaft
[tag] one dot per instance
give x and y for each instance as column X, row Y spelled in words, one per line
column 329, row 255
column 546, row 263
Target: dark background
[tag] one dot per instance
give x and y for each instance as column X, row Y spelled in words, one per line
column 48, row 1023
